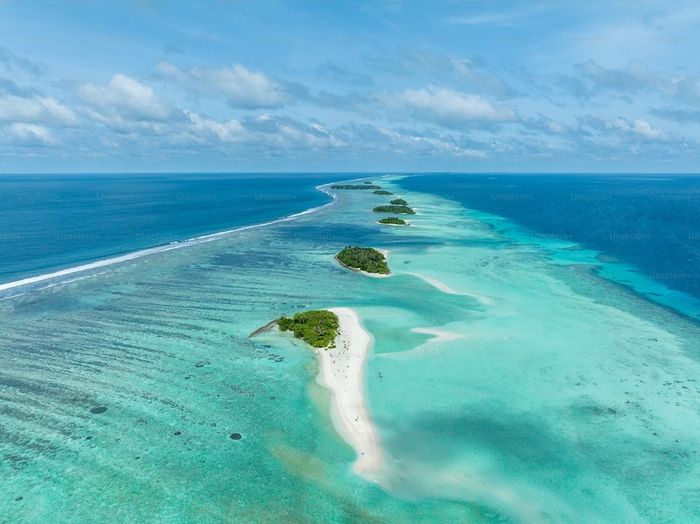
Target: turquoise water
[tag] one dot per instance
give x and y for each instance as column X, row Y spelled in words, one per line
column 641, row 231
column 554, row 395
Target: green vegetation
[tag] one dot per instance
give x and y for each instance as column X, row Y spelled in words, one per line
column 394, row 210
column 364, row 258
column 382, row 192
column 317, row 328
column 368, row 182
column 356, row 186
column 399, row 202
column 394, row 220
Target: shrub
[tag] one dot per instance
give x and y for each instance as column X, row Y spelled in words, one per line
column 317, row 328
column 364, row 258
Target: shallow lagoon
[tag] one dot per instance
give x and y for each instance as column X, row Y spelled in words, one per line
column 552, row 394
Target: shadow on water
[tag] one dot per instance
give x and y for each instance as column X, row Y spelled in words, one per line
column 519, row 441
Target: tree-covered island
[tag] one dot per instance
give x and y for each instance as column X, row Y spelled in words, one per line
column 382, row 192
column 317, row 328
column 364, row 259
column 394, row 210
column 396, row 221
column 356, row 186
column 399, row 202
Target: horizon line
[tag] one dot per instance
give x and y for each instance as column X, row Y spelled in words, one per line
column 353, row 172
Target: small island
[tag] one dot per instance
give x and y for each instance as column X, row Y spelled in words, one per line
column 395, row 221
column 364, row 259
column 393, row 209
column 318, row 328
column 382, row 192
column 356, row 186
column 399, row 202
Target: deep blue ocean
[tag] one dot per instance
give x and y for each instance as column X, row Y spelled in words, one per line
column 51, row 222
column 651, row 222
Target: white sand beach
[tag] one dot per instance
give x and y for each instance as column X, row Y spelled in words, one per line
column 395, row 225
column 342, row 372
column 486, row 300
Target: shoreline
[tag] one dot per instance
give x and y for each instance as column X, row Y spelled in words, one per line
column 163, row 248
column 342, row 373
column 395, row 225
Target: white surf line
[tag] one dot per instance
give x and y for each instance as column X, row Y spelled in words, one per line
column 342, row 373
column 162, row 249
column 450, row 291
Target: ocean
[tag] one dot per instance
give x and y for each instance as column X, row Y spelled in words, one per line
column 645, row 229
column 516, row 375
column 50, row 222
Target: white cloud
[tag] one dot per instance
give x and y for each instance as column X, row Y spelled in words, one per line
column 265, row 131
column 227, row 131
column 170, row 70
column 239, row 86
column 31, row 133
column 620, row 131
column 34, row 109
column 544, row 124
column 634, row 77
column 123, row 99
column 638, row 127
column 412, row 143
column 437, row 68
column 451, row 108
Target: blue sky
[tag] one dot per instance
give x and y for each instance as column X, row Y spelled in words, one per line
column 223, row 85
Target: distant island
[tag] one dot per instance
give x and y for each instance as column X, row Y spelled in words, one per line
column 394, row 209
column 399, row 202
column 356, row 186
column 382, row 192
column 364, row 259
column 394, row 221
column 318, row 328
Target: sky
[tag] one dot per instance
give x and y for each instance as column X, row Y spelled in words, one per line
column 383, row 85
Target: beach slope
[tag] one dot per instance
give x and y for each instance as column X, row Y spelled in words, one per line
column 342, row 372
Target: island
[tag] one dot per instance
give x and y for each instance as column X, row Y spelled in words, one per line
column 393, row 209
column 394, row 221
column 399, row 202
column 342, row 373
column 356, row 186
column 364, row 259
column 318, row 328
column 382, row 192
